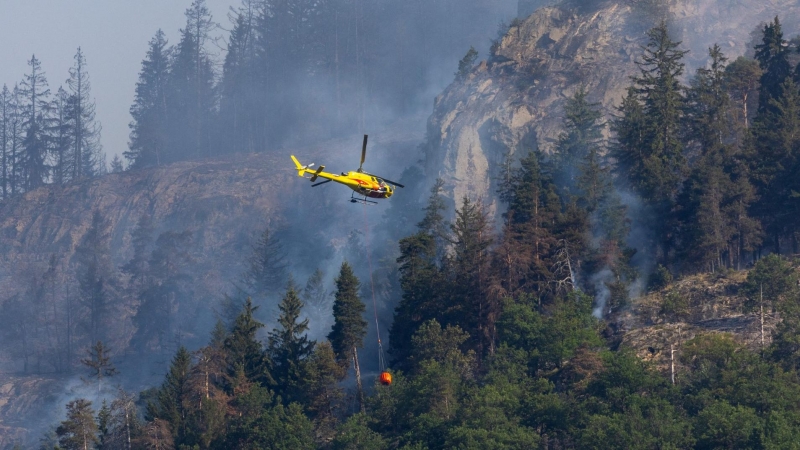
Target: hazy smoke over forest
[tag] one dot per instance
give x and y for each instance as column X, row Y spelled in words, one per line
column 170, row 243
column 334, row 70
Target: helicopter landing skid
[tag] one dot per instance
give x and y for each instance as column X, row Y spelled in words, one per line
column 354, row 199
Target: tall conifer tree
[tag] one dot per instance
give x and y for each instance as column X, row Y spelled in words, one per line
column 172, row 398
column 190, row 97
column 349, row 327
column 86, row 157
column 36, row 114
column 582, row 134
column 79, row 430
column 659, row 88
column 240, row 111
column 266, row 273
column 5, row 139
column 289, row 346
column 148, row 138
column 772, row 55
column 60, row 136
column 244, row 350
column 649, row 147
column 15, row 137
column 470, row 306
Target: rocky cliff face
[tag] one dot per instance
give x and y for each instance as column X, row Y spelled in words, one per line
column 514, row 101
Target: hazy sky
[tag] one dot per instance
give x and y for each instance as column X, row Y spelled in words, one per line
column 113, row 35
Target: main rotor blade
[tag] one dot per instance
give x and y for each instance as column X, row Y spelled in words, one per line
column 393, row 182
column 321, row 182
column 363, row 153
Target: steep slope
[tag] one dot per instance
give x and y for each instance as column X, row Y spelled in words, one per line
column 514, row 100
column 695, row 305
column 224, row 204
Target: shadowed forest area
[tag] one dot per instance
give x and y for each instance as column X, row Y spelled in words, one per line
column 507, row 332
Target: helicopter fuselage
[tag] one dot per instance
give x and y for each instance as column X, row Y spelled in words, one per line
column 362, row 183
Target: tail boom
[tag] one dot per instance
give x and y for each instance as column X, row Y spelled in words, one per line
column 301, row 169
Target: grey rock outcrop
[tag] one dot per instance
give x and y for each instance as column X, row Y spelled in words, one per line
column 514, row 101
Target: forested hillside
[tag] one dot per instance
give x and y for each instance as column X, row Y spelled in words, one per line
column 621, row 274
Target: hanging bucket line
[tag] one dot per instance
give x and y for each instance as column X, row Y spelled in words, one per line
column 381, row 360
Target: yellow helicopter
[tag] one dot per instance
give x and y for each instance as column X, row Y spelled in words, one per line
column 362, row 183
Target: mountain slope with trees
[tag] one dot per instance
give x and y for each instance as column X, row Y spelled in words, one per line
column 530, row 311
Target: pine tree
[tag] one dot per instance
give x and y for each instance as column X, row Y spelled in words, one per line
column 469, row 306
column 210, row 373
column 239, row 108
column 79, row 430
column 421, row 279
column 103, row 427
column 434, row 222
column 99, row 362
column 124, row 424
column 116, row 165
column 775, row 161
column 36, row 112
column 289, row 347
column 708, row 105
column 323, row 392
column 709, row 236
column 315, row 295
column 349, row 326
column 649, row 147
column 581, row 167
column 266, row 273
column 244, row 350
column 86, row 158
column 15, row 133
column 148, row 138
column 190, row 95
column 742, row 81
column 466, row 63
column 582, row 134
column 5, row 138
column 171, row 401
column 61, row 137
column 528, row 238
column 772, row 55
column 422, row 283
column 659, row 88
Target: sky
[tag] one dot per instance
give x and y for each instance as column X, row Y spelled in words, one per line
column 113, row 35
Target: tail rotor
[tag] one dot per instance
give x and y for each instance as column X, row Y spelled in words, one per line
column 301, row 169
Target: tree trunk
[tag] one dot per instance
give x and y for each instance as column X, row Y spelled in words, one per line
column 359, row 387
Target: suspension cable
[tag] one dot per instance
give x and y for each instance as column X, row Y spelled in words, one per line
column 381, row 360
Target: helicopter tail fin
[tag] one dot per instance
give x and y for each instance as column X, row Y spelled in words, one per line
column 301, row 169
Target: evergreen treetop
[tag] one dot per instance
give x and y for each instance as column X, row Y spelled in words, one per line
column 772, row 55
column 289, row 346
column 79, row 430
column 349, row 326
column 243, row 348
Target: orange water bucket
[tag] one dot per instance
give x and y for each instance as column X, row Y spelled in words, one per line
column 385, row 378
